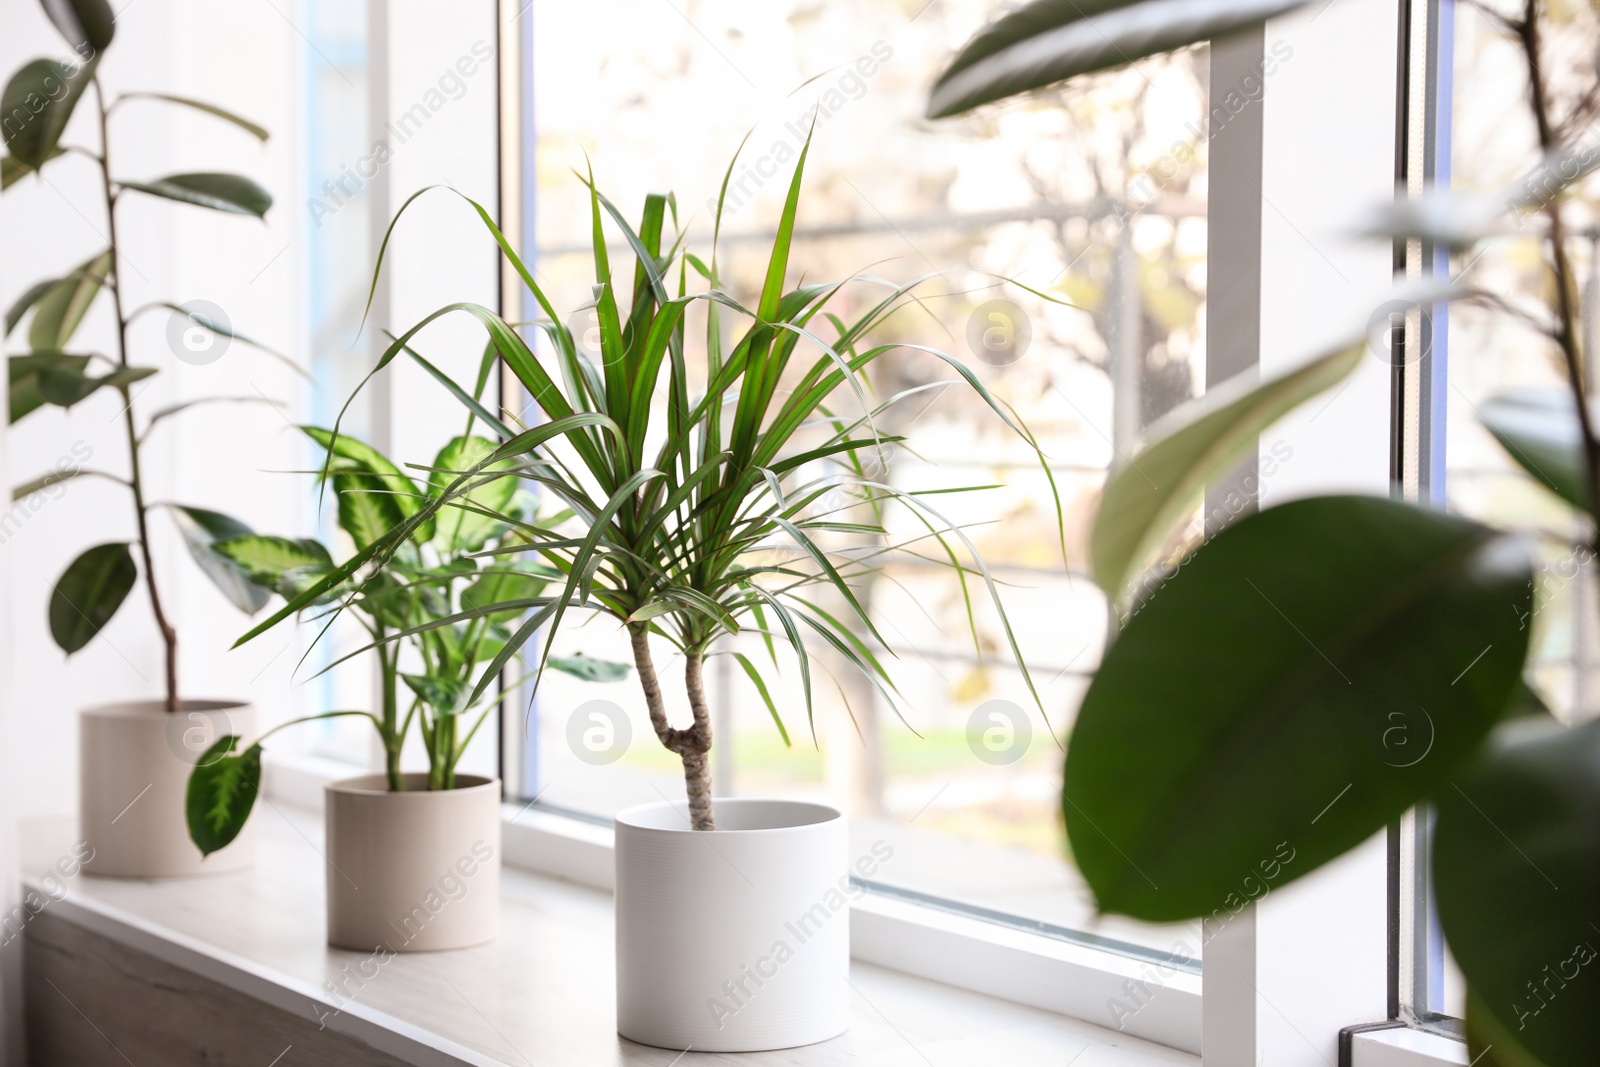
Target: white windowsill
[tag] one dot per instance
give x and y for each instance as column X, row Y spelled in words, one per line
column 1402, row 1047
column 1130, row 996
column 544, row 990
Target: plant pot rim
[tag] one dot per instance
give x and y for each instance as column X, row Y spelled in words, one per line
column 639, row 818
column 130, row 709
column 377, row 785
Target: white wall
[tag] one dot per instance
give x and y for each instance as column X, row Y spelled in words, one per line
column 242, row 57
column 252, row 59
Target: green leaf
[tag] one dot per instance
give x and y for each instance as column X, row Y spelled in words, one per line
column 257, row 131
column 374, row 496
column 65, row 385
column 87, row 25
column 766, row 697
column 14, row 170
column 62, row 306
column 1517, row 869
column 443, row 695
column 1050, row 41
column 25, row 301
column 1156, row 490
column 89, row 592
column 222, row 790
column 225, row 330
column 232, row 193
column 651, row 610
column 24, row 378
column 201, row 531
column 1311, row 673
column 267, row 559
column 460, row 529
column 589, row 668
column 499, row 587
column 36, row 103
column 1489, row 1044
column 1539, row 428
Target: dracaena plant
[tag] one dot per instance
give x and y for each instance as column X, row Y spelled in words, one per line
column 437, row 609
column 1219, row 748
column 63, row 369
column 708, row 494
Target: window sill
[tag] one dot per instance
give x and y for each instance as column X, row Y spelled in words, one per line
column 1401, row 1046
column 544, row 991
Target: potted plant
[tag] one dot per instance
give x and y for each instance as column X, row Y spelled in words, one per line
column 1210, row 778
column 709, row 519
column 135, row 755
column 401, row 846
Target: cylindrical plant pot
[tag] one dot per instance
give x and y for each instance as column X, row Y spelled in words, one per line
column 412, row 871
column 134, row 761
column 737, row 939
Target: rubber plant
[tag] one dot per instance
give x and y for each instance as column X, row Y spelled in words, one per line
column 1221, row 749
column 710, row 515
column 62, row 370
column 437, row 571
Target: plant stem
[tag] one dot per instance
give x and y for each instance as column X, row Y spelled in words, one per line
column 1567, row 328
column 392, row 736
column 443, row 767
column 169, row 634
column 692, row 745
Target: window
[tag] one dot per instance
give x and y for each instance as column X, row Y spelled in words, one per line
column 1097, row 198
column 1474, row 133
column 338, row 268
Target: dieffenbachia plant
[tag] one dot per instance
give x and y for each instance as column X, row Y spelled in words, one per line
column 437, row 609
column 708, row 489
column 1214, row 735
column 61, row 369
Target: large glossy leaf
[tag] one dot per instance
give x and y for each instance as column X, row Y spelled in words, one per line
column 88, row 25
column 1050, row 41
column 1156, row 490
column 37, row 102
column 222, row 789
column 232, row 193
column 1517, row 866
column 256, row 130
column 1539, row 429
column 201, row 531
column 89, row 592
column 463, row 529
column 61, row 307
column 1309, row 674
column 1489, row 1044
column 24, row 378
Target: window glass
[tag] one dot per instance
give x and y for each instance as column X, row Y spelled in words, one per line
column 1096, row 198
column 1492, row 143
column 337, row 272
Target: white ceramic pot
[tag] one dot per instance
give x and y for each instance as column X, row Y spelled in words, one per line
column 133, row 774
column 734, row 940
column 412, row 871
